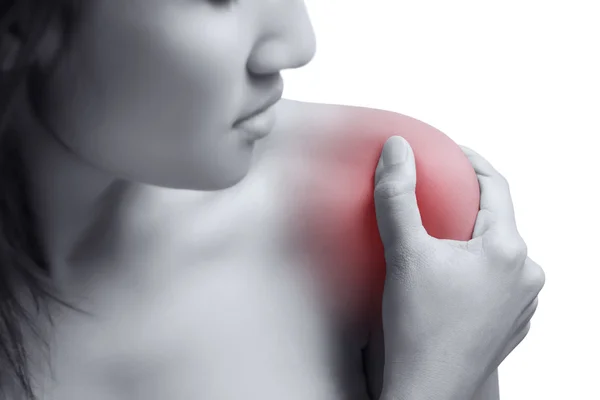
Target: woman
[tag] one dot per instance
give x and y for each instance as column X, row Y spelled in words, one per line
column 129, row 218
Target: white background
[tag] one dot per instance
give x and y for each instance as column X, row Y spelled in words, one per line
column 519, row 82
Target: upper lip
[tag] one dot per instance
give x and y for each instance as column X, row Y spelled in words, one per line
column 271, row 99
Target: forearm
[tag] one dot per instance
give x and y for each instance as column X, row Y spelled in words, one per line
column 444, row 387
column 426, row 384
column 420, row 380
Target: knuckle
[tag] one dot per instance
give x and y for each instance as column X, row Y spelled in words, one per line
column 534, row 305
column 384, row 189
column 517, row 250
column 519, row 336
column 512, row 250
column 541, row 279
column 525, row 330
column 388, row 188
column 503, row 181
column 536, row 276
column 497, row 177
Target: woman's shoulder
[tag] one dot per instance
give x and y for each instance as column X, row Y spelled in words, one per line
column 299, row 119
column 303, row 117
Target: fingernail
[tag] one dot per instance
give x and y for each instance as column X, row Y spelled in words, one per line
column 395, row 151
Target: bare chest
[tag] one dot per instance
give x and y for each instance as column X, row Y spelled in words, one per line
column 247, row 321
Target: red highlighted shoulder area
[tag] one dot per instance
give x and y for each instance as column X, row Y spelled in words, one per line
column 330, row 198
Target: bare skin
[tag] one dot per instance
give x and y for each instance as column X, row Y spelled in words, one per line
column 310, row 123
column 189, row 291
column 211, row 298
column 217, row 295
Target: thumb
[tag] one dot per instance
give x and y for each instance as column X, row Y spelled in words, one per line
column 398, row 216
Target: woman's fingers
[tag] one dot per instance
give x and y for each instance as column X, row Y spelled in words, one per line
column 398, row 215
column 534, row 276
column 514, row 342
column 496, row 206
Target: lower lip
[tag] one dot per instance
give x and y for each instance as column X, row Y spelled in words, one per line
column 259, row 125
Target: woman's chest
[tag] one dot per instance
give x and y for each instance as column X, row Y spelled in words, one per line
column 248, row 323
column 222, row 304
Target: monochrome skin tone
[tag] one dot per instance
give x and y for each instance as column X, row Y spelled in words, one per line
column 154, row 150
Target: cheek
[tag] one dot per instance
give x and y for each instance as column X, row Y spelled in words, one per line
column 154, row 108
column 161, row 69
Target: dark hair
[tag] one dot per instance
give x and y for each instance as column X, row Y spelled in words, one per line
column 23, row 269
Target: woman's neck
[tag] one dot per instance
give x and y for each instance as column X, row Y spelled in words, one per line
column 86, row 215
column 64, row 191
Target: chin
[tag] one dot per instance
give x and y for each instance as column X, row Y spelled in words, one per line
column 222, row 184
column 195, row 182
column 224, row 179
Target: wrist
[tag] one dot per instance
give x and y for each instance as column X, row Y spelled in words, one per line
column 427, row 380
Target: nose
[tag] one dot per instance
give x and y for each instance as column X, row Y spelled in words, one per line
column 287, row 40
